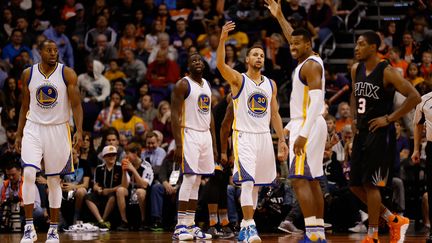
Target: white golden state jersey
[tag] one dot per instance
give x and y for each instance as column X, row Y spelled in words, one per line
column 252, row 106
column 49, row 102
column 197, row 106
column 299, row 101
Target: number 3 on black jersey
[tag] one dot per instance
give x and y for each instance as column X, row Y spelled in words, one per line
column 361, row 106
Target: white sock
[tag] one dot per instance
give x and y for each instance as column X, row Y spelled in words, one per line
column 320, row 228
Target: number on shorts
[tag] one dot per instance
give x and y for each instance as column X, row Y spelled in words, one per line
column 361, row 106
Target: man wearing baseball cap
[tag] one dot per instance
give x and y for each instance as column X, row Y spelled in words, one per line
column 108, row 178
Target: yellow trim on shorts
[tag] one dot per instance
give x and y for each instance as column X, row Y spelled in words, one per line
column 235, row 103
column 70, row 145
column 183, row 122
column 236, row 155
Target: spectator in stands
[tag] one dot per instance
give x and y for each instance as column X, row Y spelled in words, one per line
column 390, row 31
column 108, row 178
column 140, row 176
column 14, row 48
column 56, row 33
column 334, row 139
column 413, row 75
column 243, row 14
column 68, row 10
column 141, row 53
column 125, row 13
column 114, row 72
column 153, row 153
column 337, row 87
column 74, row 186
column 28, row 34
column 12, row 93
column 11, row 195
column 344, row 116
column 87, row 152
column 127, row 125
column 103, row 52
column 178, row 37
column 396, row 61
column 35, row 48
column 139, row 23
column 426, row 65
column 127, row 41
column 101, row 28
column 383, row 49
column 209, row 52
column 95, row 88
column 109, row 114
column 9, row 145
column 280, row 57
column 111, row 137
column 164, row 192
column 152, row 37
column 40, row 16
column 7, row 26
column 320, row 16
column 164, row 45
column 409, row 49
column 134, row 69
column 420, row 30
column 146, row 110
column 119, row 85
column 162, row 74
column 77, row 26
column 162, row 122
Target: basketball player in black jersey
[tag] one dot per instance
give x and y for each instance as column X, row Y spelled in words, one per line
column 374, row 85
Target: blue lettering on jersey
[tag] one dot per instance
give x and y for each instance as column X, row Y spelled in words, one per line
column 257, row 104
column 204, row 104
column 46, row 95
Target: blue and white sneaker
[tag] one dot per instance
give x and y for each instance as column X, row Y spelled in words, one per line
column 242, row 234
column 181, row 233
column 198, row 234
column 52, row 235
column 30, row 235
column 252, row 235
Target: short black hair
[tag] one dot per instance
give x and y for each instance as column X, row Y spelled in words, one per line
column 302, row 32
column 255, row 46
column 193, row 54
column 47, row 41
column 372, row 38
column 13, row 164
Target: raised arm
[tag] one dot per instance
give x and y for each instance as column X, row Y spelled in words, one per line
column 276, row 122
column 25, row 104
column 276, row 10
column 177, row 97
column 75, row 100
column 233, row 77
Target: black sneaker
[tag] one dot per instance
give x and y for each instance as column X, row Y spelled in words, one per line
column 156, row 227
column 104, row 226
column 123, row 226
column 214, row 232
column 143, row 227
column 227, row 233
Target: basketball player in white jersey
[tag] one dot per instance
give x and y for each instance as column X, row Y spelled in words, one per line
column 50, row 91
column 255, row 107
column 308, row 129
column 191, row 120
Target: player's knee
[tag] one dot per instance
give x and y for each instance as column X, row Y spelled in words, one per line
column 29, row 174
column 80, row 192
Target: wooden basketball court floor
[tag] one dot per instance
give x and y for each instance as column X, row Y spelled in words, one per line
column 146, row 236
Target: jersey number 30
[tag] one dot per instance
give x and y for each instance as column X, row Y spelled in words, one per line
column 361, row 106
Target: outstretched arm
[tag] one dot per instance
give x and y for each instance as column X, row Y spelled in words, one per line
column 75, row 100
column 177, row 98
column 276, row 10
column 233, row 77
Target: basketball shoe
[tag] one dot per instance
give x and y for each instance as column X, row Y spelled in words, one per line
column 398, row 226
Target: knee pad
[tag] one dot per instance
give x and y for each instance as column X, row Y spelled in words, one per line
column 246, row 193
column 195, row 188
column 29, row 188
column 186, row 187
column 55, row 192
